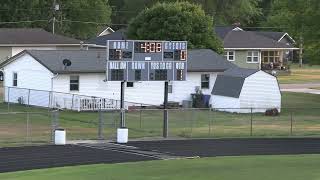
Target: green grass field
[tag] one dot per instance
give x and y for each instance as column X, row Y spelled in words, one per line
column 36, row 127
column 301, row 75
column 295, row 167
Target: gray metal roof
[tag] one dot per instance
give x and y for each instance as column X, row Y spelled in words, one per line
column 94, row 61
column 230, row 82
column 239, row 72
column 250, row 39
column 9, row 36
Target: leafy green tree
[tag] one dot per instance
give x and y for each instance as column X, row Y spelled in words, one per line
column 299, row 18
column 70, row 17
column 226, row 12
column 175, row 21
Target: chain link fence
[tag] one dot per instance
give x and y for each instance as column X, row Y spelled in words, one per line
column 13, row 97
column 36, row 127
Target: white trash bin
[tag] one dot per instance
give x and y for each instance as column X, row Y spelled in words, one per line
column 60, row 137
column 122, row 135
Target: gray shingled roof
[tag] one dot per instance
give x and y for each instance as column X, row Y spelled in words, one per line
column 89, row 61
column 102, row 40
column 230, row 82
column 202, row 60
column 250, row 39
column 9, row 36
column 273, row 35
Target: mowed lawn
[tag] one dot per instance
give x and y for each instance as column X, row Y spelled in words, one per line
column 306, row 74
column 35, row 126
column 297, row 167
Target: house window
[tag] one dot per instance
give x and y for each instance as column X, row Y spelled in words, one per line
column 230, row 55
column 253, row 57
column 271, row 56
column 129, row 84
column 15, row 79
column 205, row 78
column 137, row 75
column 117, row 74
column 74, row 83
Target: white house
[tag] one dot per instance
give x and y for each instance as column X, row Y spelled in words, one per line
column 43, row 70
column 239, row 90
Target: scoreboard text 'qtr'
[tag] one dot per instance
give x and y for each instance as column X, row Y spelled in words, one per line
column 140, row 60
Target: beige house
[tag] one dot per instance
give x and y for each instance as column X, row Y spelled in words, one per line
column 15, row 40
column 265, row 50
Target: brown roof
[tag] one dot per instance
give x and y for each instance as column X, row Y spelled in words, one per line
column 9, row 36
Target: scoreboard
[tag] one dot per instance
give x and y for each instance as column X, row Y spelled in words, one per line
column 140, row 60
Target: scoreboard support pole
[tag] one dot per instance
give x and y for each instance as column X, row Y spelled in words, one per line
column 165, row 110
column 122, row 112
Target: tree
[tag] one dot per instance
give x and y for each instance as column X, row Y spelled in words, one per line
column 70, row 17
column 226, row 12
column 299, row 18
column 175, row 21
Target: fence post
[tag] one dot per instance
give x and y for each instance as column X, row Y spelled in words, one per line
column 100, row 126
column 251, row 121
column 72, row 102
column 27, row 128
column 291, row 123
column 140, row 118
column 191, row 125
column 8, row 99
column 29, row 97
column 209, row 121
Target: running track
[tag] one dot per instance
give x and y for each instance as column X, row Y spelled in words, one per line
column 35, row 157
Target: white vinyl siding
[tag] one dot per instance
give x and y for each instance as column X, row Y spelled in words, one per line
column 94, row 85
column 31, row 74
column 254, row 94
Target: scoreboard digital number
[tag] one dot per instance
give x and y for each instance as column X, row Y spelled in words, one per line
column 139, row 60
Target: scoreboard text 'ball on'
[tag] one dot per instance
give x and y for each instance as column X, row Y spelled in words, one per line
column 140, row 60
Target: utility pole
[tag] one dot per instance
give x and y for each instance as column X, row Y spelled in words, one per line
column 55, row 8
column 300, row 51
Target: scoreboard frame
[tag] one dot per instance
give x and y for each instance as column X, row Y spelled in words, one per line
column 154, row 60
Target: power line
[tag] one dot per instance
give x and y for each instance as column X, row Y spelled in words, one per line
column 92, row 22
column 27, row 21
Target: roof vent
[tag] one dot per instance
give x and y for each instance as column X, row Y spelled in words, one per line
column 66, row 63
column 81, row 45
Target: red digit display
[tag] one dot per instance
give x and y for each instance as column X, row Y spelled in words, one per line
column 183, row 55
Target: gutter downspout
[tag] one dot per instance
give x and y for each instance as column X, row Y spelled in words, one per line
column 50, row 94
column 54, row 76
